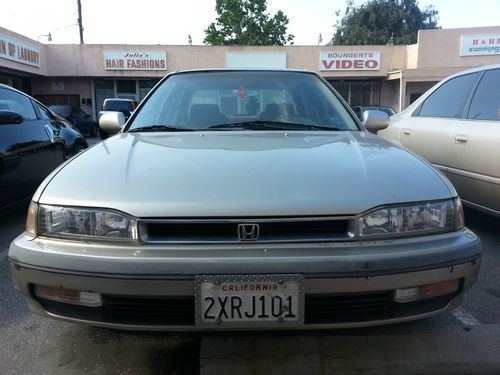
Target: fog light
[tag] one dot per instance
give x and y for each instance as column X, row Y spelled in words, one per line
column 404, row 295
column 69, row 296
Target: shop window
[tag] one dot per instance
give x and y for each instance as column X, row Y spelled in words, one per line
column 145, row 87
column 126, row 89
column 358, row 92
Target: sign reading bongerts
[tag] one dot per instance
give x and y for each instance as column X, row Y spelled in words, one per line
column 349, row 60
column 12, row 49
column 135, row 60
column 480, row 45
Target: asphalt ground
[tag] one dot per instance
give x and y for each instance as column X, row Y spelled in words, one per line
column 466, row 340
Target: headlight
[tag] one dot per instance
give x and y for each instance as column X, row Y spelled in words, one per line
column 85, row 223
column 414, row 219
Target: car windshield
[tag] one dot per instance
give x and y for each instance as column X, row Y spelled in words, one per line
column 250, row 100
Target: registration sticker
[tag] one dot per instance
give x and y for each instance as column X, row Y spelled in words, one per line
column 224, row 301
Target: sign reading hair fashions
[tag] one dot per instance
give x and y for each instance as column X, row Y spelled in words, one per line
column 349, row 60
column 478, row 45
column 12, row 49
column 135, row 60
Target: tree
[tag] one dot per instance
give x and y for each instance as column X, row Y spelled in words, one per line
column 245, row 22
column 383, row 22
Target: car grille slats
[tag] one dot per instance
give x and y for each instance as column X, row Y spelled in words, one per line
column 228, row 231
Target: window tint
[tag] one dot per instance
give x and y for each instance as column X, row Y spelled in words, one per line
column 12, row 101
column 449, row 99
column 486, row 102
column 46, row 115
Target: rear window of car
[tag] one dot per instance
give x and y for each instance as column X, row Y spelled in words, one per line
column 117, row 105
column 199, row 100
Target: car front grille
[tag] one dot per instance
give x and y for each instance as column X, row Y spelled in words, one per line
column 180, row 311
column 274, row 230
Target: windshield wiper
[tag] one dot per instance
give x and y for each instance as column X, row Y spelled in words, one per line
column 159, row 128
column 271, row 125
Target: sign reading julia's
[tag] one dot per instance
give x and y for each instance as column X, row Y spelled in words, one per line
column 135, row 60
column 12, row 49
column 349, row 60
column 479, row 45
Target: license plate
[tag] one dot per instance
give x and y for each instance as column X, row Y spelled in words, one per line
column 249, row 301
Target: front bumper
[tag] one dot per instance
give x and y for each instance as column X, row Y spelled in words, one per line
column 344, row 276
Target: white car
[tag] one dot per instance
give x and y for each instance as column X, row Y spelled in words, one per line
column 456, row 126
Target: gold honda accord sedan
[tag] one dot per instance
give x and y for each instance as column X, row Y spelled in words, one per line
column 244, row 199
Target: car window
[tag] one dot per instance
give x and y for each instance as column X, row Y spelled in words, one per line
column 13, row 101
column 486, row 102
column 117, row 105
column 46, row 115
column 199, row 100
column 449, row 99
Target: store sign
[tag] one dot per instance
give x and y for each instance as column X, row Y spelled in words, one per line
column 480, row 45
column 345, row 60
column 12, row 49
column 258, row 60
column 135, row 60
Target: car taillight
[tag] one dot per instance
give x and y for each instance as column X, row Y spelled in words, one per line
column 134, row 106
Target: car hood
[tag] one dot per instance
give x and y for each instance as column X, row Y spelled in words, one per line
column 244, row 173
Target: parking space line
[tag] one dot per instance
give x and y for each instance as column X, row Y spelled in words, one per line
column 465, row 317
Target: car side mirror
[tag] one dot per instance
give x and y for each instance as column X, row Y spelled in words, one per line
column 112, row 122
column 375, row 120
column 10, row 117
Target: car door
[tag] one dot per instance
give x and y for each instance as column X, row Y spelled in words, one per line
column 429, row 130
column 475, row 147
column 27, row 154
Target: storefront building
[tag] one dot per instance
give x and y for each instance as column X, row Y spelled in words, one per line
column 394, row 76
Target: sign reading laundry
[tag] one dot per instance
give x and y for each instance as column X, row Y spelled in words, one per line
column 135, row 60
column 12, row 49
column 349, row 60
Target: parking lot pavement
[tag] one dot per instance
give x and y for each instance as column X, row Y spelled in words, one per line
column 463, row 341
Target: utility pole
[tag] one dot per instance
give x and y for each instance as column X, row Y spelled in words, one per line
column 80, row 22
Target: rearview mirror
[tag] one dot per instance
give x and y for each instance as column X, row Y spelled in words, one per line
column 10, row 117
column 112, row 122
column 375, row 120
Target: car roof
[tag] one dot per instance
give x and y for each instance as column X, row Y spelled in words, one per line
column 219, row 70
column 473, row 70
column 120, row 99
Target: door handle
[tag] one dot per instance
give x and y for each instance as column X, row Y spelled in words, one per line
column 406, row 132
column 461, row 139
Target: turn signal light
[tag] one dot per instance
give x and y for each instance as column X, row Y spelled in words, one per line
column 74, row 297
column 404, row 295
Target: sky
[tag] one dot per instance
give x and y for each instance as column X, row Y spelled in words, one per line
column 170, row 22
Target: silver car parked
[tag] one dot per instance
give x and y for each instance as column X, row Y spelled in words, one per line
column 456, row 126
column 240, row 199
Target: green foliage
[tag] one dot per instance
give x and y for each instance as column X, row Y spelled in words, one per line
column 377, row 21
column 245, row 22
